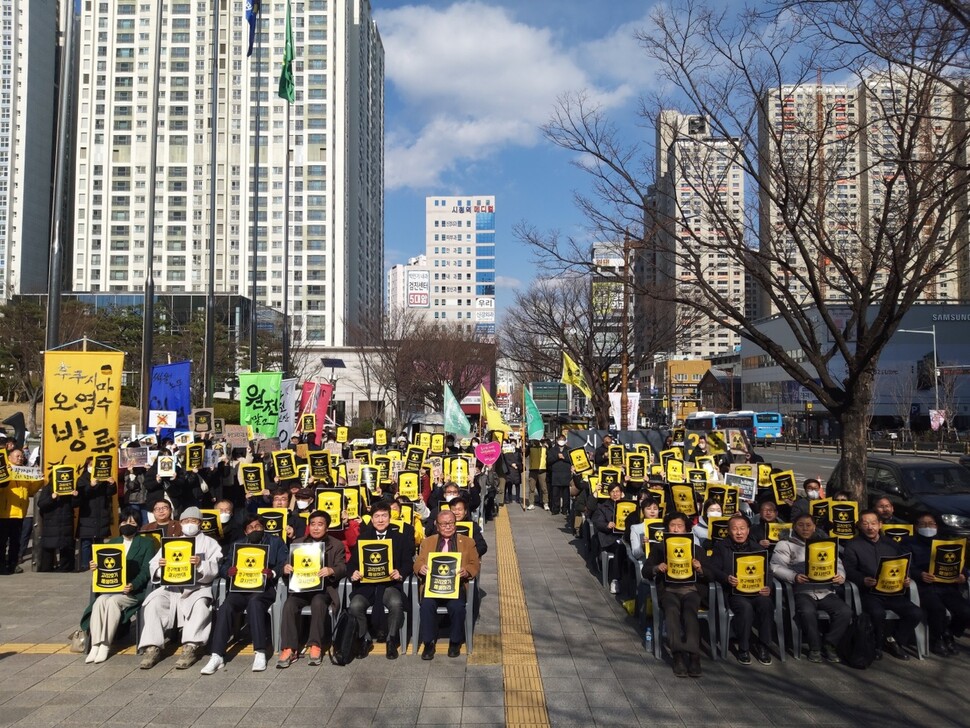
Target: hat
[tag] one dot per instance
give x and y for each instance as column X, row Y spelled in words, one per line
column 191, row 512
column 304, row 494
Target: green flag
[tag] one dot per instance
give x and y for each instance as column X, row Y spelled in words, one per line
column 534, row 429
column 287, row 86
column 259, row 401
column 455, row 420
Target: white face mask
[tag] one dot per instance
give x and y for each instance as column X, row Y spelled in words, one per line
column 450, row 497
column 714, row 513
column 224, row 517
column 560, row 442
column 929, row 532
column 302, row 505
column 811, row 494
column 190, row 529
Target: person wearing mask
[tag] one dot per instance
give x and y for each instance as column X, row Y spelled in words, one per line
column 388, row 594
column 231, row 527
column 861, row 555
column 710, row 509
column 254, row 604
column 320, row 601
column 788, row 564
column 604, row 521
column 749, row 611
column 560, row 471
column 185, row 607
column 57, row 529
column 936, row 597
column 680, row 602
column 296, row 520
column 699, row 450
column 95, row 505
column 106, row 612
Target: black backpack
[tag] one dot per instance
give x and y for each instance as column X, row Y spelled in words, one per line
column 343, row 646
column 858, row 646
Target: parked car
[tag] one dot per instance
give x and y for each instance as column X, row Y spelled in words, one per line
column 916, row 485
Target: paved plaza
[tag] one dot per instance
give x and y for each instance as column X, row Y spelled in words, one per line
column 577, row 638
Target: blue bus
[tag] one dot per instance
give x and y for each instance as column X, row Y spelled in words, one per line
column 768, row 426
column 759, row 427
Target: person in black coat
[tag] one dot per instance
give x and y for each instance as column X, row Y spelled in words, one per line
column 95, row 506
column 609, row 539
column 601, row 456
column 749, row 611
column 512, row 466
column 57, row 529
column 560, row 473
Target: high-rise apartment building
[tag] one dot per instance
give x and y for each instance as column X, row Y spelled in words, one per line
column 28, row 45
column 330, row 138
column 695, row 170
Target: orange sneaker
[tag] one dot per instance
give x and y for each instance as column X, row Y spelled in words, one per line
column 287, row 658
column 316, row 655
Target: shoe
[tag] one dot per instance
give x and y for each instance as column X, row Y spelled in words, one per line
column 259, row 661
column 380, row 637
column 428, row 652
column 815, row 656
column 743, row 657
column 364, row 648
column 454, row 649
column 938, row 648
column 92, row 655
column 531, row 508
column 188, row 657
column 614, row 586
column 103, row 652
column 390, row 649
column 830, row 653
column 545, row 506
column 950, row 643
column 315, row 653
column 215, row 663
column 694, row 665
column 896, row 650
column 287, row 657
column 763, row 654
column 680, row 665
column 150, row 658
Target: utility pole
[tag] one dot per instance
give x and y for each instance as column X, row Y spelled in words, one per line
column 625, row 336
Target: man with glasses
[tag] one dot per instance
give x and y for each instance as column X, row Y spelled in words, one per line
column 162, row 511
column 446, row 540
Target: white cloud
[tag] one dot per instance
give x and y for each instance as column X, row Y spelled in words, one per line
column 507, row 282
column 475, row 81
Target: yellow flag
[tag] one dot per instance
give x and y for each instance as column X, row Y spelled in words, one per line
column 572, row 374
column 493, row 418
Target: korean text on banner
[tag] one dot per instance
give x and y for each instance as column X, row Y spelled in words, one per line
column 171, row 390
column 82, row 398
column 286, row 423
column 260, row 401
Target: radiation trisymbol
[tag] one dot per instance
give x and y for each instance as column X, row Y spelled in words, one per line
column 109, row 562
column 250, row 561
column 307, row 562
column 946, row 557
column 894, row 572
column 679, row 553
column 659, row 536
column 444, row 570
column 270, row 525
column 823, row 556
column 750, row 570
column 375, row 558
column 842, row 516
column 177, row 556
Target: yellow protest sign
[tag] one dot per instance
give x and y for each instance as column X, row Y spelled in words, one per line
column 897, row 531
column 775, row 529
column 380, row 438
column 352, row 502
column 459, row 472
column 843, row 516
column 253, row 478
column 82, row 400
column 308, row 422
column 274, row 521
column 109, row 575
column 621, row 513
column 414, row 457
column 679, row 557
column 821, row 560
column 178, row 569
column 437, row 442
column 946, row 559
column 717, row 528
column 331, row 502
column 750, row 570
column 423, row 440
column 636, row 466
column 675, row 470
column 580, row 460
column 211, row 525
column 284, row 464
column 784, row 486
column 307, row 559
column 683, row 498
column 375, row 560
column 64, row 478
column 250, row 560
column 891, row 577
column 442, row 580
column 409, row 484
column 608, row 477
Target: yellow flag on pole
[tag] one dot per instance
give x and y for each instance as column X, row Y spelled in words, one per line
column 493, row 418
column 572, row 374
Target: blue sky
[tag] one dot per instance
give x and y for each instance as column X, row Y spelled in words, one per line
column 467, row 86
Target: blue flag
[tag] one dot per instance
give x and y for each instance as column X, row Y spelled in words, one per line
column 252, row 17
column 171, row 390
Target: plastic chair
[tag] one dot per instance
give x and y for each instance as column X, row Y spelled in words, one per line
column 725, row 615
column 639, row 582
column 922, row 630
column 796, row 628
column 345, row 590
column 470, row 592
column 708, row 615
column 220, row 588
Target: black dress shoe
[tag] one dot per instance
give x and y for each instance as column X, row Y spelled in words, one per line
column 454, row 649
column 391, row 649
column 939, row 648
column 428, row 652
column 896, row 650
column 380, row 637
column 364, row 648
column 694, row 665
column 680, row 665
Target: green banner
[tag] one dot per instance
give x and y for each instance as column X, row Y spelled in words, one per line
column 455, row 420
column 259, row 401
column 534, row 429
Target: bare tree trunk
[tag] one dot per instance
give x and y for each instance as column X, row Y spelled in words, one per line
column 855, row 425
column 32, row 412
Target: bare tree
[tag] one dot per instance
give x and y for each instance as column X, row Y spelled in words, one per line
column 901, row 393
column 841, row 273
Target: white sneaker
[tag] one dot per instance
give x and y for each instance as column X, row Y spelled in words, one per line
column 545, row 506
column 531, row 508
column 614, row 586
column 217, row 663
column 259, row 661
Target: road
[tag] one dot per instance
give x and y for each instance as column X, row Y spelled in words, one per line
column 806, row 464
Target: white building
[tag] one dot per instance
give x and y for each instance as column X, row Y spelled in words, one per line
column 333, row 147
column 28, row 39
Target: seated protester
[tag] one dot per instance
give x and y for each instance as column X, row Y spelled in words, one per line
column 320, row 601
column 885, row 510
column 448, row 492
column 767, row 513
column 459, row 506
column 388, row 594
column 710, row 509
column 747, row 609
column 680, row 603
column 638, row 536
column 231, row 526
column 106, row 612
column 583, row 504
column 162, row 513
column 861, row 555
column 296, row 519
column 788, row 564
column 57, row 529
column 95, row 503
column 255, row 604
column 936, row 598
column 608, row 540
column 185, row 607
column 417, row 522
column 447, row 539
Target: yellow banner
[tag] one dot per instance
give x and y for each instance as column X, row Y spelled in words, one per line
column 109, row 575
column 442, row 581
column 307, row 561
column 891, row 578
column 946, row 559
column 274, row 520
column 680, row 557
column 683, row 496
column 376, row 560
column 82, row 401
column 493, row 417
column 749, row 570
column 178, row 569
column 249, row 560
column 821, row 561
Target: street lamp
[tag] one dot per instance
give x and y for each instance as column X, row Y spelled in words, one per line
column 936, row 372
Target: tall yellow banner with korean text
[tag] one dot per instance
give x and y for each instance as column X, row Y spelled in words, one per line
column 82, row 405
